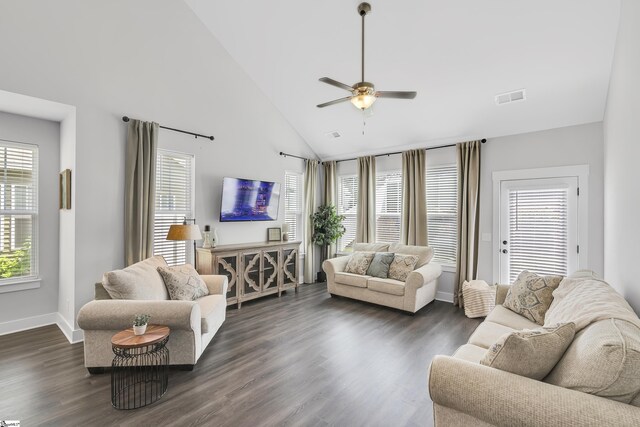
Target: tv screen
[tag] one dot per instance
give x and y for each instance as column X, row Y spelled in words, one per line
column 249, row 200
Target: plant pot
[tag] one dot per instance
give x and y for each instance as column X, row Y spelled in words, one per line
column 321, row 277
column 139, row 330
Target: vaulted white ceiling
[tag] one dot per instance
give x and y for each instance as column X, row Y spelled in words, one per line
column 456, row 54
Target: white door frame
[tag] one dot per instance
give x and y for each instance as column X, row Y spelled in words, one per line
column 579, row 171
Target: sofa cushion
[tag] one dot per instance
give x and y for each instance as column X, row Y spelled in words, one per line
column 531, row 353
column 603, row 359
column 470, row 353
column 401, row 266
column 370, row 247
column 351, row 279
column 139, row 281
column 506, row 317
column 359, row 262
column 424, row 253
column 183, row 282
column 386, row 286
column 211, row 308
column 531, row 295
column 380, row 264
column 487, row 333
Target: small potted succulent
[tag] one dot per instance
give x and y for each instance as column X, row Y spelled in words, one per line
column 140, row 323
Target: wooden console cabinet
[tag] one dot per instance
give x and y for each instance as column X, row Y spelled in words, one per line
column 253, row 269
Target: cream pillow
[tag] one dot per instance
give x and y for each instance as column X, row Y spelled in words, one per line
column 401, row 266
column 139, row 281
column 359, row 263
column 531, row 353
column 531, row 295
column 424, row 253
column 183, row 282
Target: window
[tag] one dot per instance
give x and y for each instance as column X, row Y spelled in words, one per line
column 348, row 206
column 18, row 212
column 442, row 212
column 388, row 206
column 174, row 202
column 293, row 204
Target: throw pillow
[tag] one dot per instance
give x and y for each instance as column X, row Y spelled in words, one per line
column 530, row 353
column 401, row 266
column 380, row 264
column 359, row 263
column 531, row 295
column 183, row 282
column 139, row 281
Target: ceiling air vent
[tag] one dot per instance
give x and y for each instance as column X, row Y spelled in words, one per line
column 516, row 95
column 333, row 135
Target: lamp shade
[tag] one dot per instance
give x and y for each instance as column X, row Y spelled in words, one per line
column 184, row 232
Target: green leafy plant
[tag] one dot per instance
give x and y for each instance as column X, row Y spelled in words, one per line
column 141, row 319
column 16, row 263
column 327, row 227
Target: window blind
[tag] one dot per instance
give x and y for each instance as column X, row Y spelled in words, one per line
column 18, row 211
column 442, row 212
column 388, row 206
column 174, row 202
column 293, row 204
column 538, row 231
column 348, row 206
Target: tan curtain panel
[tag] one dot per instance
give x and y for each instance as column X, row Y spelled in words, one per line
column 310, row 186
column 330, row 194
column 414, row 199
column 140, row 185
column 366, row 217
column 468, row 215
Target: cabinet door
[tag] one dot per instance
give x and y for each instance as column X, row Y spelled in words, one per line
column 227, row 265
column 290, row 267
column 270, row 266
column 251, row 273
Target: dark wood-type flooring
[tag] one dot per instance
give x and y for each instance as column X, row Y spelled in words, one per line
column 305, row 359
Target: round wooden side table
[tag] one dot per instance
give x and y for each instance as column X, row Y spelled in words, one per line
column 140, row 368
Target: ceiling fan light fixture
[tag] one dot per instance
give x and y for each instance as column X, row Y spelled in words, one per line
column 363, row 101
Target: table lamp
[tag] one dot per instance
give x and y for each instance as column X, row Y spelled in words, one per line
column 185, row 232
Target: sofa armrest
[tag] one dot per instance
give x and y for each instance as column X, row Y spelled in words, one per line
column 504, row 399
column 118, row 314
column 423, row 275
column 335, row 265
column 217, row 284
column 501, row 293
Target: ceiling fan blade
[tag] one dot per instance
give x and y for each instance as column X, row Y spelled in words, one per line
column 335, row 101
column 335, row 83
column 396, row 94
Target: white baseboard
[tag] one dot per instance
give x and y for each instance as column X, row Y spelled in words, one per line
column 444, row 296
column 73, row 335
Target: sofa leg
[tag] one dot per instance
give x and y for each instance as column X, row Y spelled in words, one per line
column 96, row 371
column 188, row 368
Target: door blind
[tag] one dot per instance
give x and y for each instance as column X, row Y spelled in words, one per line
column 388, row 206
column 348, row 206
column 442, row 212
column 174, row 202
column 293, row 204
column 538, row 231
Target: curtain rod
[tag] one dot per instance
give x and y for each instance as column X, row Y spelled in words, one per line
column 283, row 154
column 126, row 119
column 483, row 140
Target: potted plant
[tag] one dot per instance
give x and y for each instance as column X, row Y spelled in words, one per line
column 327, row 229
column 140, row 323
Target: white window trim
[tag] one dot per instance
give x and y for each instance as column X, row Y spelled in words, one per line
column 579, row 171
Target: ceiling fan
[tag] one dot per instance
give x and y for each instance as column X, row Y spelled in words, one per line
column 363, row 94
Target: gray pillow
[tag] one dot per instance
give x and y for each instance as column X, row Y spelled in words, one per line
column 379, row 266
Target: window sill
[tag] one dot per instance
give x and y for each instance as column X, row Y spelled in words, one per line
column 20, row 285
column 448, row 268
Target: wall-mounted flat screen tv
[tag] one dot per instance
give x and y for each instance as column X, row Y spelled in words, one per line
column 249, row 200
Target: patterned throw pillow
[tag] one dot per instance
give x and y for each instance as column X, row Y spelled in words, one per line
column 359, row 263
column 531, row 295
column 401, row 266
column 530, row 353
column 183, row 282
column 380, row 265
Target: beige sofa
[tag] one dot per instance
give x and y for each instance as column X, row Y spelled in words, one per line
column 418, row 290
column 193, row 324
column 596, row 383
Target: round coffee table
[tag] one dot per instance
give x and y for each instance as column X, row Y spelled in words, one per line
column 140, row 368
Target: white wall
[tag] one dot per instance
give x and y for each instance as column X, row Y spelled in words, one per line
column 43, row 300
column 575, row 145
column 152, row 60
column 621, row 153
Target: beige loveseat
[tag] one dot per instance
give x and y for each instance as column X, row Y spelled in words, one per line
column 193, row 324
column 595, row 383
column 417, row 291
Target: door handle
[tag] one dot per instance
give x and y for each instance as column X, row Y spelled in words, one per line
column 504, row 251
column 504, row 242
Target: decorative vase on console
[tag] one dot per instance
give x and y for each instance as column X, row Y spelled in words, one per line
column 207, row 243
column 214, row 237
column 285, row 232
